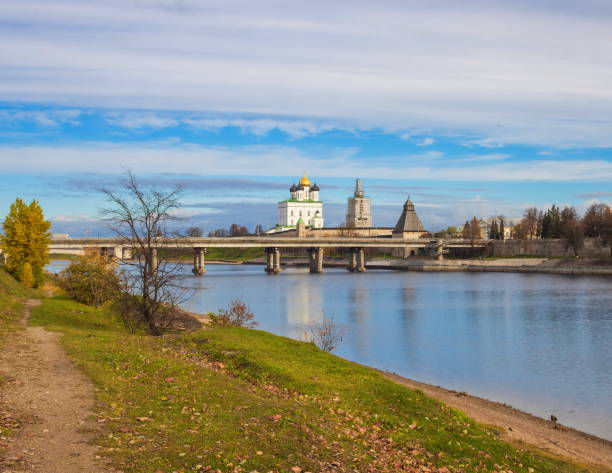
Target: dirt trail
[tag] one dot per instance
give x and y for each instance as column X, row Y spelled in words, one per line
column 518, row 426
column 53, row 400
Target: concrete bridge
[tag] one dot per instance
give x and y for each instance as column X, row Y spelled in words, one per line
column 120, row 249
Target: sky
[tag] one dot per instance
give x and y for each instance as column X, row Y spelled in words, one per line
column 471, row 108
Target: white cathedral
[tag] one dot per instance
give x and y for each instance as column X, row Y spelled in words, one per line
column 303, row 205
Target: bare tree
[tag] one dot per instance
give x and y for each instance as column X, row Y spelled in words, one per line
column 595, row 219
column 194, row 232
column 531, row 222
column 325, row 333
column 571, row 230
column 139, row 217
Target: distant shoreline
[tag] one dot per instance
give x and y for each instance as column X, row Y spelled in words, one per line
column 515, row 265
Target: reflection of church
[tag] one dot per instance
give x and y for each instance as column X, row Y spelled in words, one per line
column 303, row 205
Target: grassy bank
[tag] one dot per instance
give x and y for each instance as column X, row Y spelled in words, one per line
column 62, row 256
column 243, row 400
column 216, row 254
column 12, row 297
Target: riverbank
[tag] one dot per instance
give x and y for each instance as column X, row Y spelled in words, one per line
column 501, row 265
column 519, row 427
column 237, row 400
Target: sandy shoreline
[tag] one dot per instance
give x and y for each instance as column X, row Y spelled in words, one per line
column 520, row 427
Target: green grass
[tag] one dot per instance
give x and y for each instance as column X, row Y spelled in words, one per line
column 12, row 296
column 245, row 400
column 62, row 256
column 234, row 254
column 220, row 254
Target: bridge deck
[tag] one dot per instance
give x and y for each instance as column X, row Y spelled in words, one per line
column 265, row 242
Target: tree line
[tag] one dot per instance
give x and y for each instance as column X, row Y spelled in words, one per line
column 233, row 230
column 567, row 225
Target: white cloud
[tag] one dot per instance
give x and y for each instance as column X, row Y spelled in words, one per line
column 137, row 121
column 44, row 118
column 515, row 72
column 261, row 127
column 163, row 157
column 426, row 142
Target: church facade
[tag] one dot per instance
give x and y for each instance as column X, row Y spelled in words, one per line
column 304, row 205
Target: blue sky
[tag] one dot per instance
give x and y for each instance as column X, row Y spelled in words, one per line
column 471, row 108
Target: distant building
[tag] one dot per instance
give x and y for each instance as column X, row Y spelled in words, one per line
column 359, row 209
column 304, row 204
column 408, row 225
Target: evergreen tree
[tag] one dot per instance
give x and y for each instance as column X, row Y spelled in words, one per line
column 465, row 233
column 494, row 231
column 555, row 222
column 26, row 242
column 502, row 228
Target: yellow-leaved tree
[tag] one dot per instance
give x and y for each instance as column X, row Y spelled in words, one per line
column 25, row 242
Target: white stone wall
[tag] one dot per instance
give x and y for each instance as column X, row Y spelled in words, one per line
column 290, row 212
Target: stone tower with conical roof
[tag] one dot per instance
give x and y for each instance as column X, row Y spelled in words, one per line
column 408, row 225
column 359, row 209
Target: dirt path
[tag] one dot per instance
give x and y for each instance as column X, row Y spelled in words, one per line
column 518, row 426
column 53, row 400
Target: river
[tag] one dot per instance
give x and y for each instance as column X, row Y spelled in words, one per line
column 541, row 343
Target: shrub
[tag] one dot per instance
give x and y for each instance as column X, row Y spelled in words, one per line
column 237, row 314
column 91, row 279
column 325, row 333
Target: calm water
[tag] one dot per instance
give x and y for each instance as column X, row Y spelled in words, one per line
column 542, row 343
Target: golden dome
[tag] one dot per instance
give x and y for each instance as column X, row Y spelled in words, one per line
column 305, row 181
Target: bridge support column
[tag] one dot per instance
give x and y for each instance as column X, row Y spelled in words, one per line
column 352, row 260
column 273, row 260
column 118, row 252
column 127, row 253
column 277, row 257
column 199, row 261
column 361, row 262
column 315, row 260
column 439, row 250
column 269, row 260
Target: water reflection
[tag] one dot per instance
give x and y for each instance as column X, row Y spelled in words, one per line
column 542, row 343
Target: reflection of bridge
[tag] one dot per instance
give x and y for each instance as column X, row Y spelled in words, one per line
column 316, row 246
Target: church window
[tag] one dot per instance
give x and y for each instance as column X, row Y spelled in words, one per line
column 300, row 213
column 292, row 213
column 309, row 213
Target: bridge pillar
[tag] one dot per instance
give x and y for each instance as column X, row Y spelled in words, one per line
column 439, row 250
column 126, row 253
column 277, row 257
column 118, row 252
column 273, row 260
column 315, row 260
column 199, row 261
column 352, row 260
column 269, row 260
column 361, row 262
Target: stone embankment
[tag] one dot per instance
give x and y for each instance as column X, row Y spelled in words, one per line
column 502, row 265
column 510, row 265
